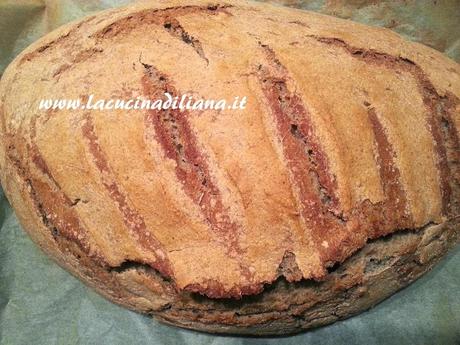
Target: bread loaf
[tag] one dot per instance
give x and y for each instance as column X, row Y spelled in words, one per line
column 337, row 185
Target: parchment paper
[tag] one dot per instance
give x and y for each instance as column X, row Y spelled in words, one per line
column 40, row 303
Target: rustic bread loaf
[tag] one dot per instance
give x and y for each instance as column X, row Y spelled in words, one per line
column 337, row 185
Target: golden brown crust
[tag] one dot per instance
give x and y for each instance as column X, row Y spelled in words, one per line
column 340, row 122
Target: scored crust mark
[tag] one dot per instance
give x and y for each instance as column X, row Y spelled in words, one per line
column 179, row 144
column 36, row 156
column 395, row 206
column 167, row 19
column 70, row 219
column 52, row 206
column 56, row 212
column 295, row 117
column 132, row 219
column 306, row 160
column 80, row 57
column 447, row 110
column 435, row 106
column 150, row 16
column 58, row 215
column 173, row 132
column 336, row 235
column 300, row 23
column 30, row 56
column 173, row 26
column 158, row 16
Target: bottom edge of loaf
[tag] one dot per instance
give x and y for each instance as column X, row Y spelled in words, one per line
column 382, row 267
column 374, row 273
